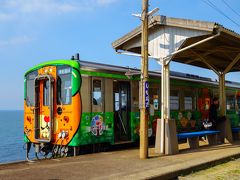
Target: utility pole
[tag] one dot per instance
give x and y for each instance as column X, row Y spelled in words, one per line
column 144, row 107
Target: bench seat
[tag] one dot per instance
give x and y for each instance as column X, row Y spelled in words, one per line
column 236, row 129
column 193, row 137
column 196, row 134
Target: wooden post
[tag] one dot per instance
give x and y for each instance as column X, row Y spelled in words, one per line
column 225, row 128
column 144, row 111
column 222, row 95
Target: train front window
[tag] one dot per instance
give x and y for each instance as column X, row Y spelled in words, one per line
column 30, row 88
column 64, row 85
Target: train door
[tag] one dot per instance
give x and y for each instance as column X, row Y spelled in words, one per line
column 43, row 110
column 98, row 107
column 121, row 111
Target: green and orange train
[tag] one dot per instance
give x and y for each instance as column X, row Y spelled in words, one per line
column 69, row 104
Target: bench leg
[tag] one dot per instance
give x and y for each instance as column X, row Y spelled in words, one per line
column 236, row 135
column 193, row 142
column 212, row 139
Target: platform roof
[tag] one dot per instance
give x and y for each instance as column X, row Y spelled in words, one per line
column 221, row 52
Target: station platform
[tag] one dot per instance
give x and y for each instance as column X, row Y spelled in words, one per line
column 123, row 164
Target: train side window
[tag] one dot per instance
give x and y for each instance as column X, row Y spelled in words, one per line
column 230, row 103
column 188, row 103
column 97, row 92
column 189, row 99
column 64, row 86
column 174, row 100
column 238, row 102
column 117, row 101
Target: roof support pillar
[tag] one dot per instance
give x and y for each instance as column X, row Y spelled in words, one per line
column 165, row 91
column 222, row 94
column 166, row 140
column 165, row 109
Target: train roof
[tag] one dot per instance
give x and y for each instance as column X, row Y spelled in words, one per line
column 128, row 71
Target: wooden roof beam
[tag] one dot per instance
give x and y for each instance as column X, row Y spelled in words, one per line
column 202, row 59
column 229, row 67
column 204, row 55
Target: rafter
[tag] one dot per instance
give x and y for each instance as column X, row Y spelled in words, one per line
column 235, row 60
column 202, row 59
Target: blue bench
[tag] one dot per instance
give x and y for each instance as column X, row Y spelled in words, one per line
column 236, row 133
column 236, row 129
column 193, row 137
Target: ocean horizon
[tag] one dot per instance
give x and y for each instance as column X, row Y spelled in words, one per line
column 11, row 135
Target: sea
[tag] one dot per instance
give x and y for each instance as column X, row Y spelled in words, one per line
column 12, row 146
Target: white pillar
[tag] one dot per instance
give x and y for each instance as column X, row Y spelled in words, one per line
column 165, row 109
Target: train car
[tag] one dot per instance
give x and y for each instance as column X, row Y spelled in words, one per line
column 69, row 104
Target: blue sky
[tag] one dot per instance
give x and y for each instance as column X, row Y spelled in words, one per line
column 34, row 31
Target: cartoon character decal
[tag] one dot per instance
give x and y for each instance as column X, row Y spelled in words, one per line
column 97, row 125
column 45, row 127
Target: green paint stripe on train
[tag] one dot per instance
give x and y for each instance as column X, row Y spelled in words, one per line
column 71, row 63
column 76, row 81
column 101, row 74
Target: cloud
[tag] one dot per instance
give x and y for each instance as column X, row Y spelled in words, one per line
column 46, row 7
column 36, row 6
column 20, row 40
column 106, row 2
column 6, row 16
column 16, row 16
column 13, row 9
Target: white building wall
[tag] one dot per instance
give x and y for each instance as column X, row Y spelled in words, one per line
column 166, row 40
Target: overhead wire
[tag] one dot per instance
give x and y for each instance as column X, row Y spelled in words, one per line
column 212, row 5
column 230, row 8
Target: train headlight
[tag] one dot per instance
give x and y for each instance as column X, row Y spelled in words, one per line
column 59, row 135
column 63, row 134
